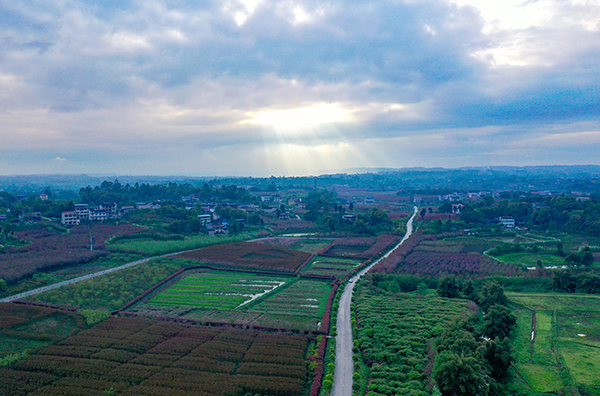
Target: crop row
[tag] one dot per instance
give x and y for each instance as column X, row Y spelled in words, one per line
column 51, row 249
column 397, row 350
column 249, row 255
column 389, row 264
column 359, row 247
column 149, row 356
column 228, row 292
column 305, row 297
column 432, row 263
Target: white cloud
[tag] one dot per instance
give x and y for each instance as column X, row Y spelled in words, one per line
column 127, row 42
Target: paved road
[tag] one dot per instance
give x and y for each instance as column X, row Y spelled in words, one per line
column 344, row 366
column 81, row 278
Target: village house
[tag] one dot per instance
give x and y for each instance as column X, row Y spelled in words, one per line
column 456, row 208
column 69, row 218
column 110, row 208
column 284, row 216
column 83, row 211
column 506, row 221
column 126, row 210
column 98, row 214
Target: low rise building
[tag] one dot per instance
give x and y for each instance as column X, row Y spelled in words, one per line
column 126, row 210
column 98, row 215
column 110, row 208
column 506, row 221
column 83, row 211
column 70, row 218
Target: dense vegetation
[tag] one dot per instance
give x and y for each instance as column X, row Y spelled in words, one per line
column 110, row 291
column 560, row 213
column 399, row 352
column 130, row 194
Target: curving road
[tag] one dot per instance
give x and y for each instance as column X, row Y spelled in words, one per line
column 344, row 365
column 84, row 277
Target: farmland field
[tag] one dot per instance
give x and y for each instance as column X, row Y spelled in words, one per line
column 222, row 297
column 363, row 248
column 145, row 357
column 423, row 255
column 51, row 249
column 111, row 291
column 153, row 247
column 23, row 328
column 330, row 266
column 526, row 259
column 394, row 333
column 309, row 245
column 304, row 298
column 566, row 343
column 249, row 255
column 214, row 290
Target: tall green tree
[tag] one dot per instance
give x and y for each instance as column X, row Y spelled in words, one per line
column 498, row 354
column 448, row 287
column 460, row 375
column 498, row 322
column 492, row 293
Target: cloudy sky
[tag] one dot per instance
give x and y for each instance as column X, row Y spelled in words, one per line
column 296, row 87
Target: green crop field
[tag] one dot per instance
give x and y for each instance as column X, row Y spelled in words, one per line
column 111, row 291
column 566, row 346
column 394, row 334
column 331, row 266
column 153, row 247
column 303, row 300
column 218, row 290
column 243, row 298
column 527, row 259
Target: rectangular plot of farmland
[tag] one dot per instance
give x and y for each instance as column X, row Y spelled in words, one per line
column 213, row 290
column 303, row 298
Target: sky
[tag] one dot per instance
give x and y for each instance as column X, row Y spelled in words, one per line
column 260, row 87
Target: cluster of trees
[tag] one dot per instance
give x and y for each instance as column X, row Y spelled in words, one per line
column 561, row 213
column 186, row 222
column 584, row 282
column 124, row 194
column 584, row 257
column 323, row 209
column 129, row 194
column 475, row 353
column 13, row 206
column 370, row 223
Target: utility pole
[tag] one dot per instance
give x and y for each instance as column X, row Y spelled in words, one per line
column 91, row 236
